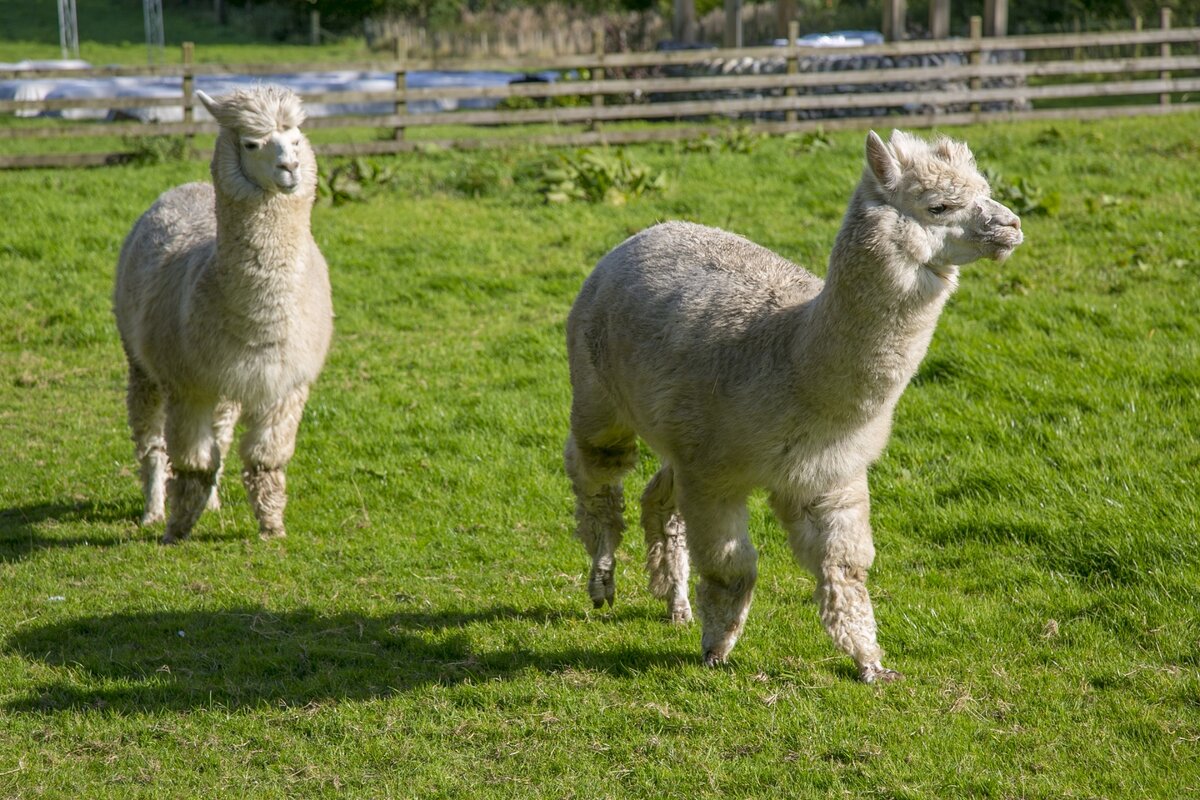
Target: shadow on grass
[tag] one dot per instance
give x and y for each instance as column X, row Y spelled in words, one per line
column 27, row 529
column 23, row 529
column 181, row 660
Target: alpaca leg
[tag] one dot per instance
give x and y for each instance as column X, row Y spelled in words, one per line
column 666, row 546
column 595, row 474
column 192, row 447
column 831, row 536
column 147, row 421
column 719, row 544
column 267, row 446
column 224, row 418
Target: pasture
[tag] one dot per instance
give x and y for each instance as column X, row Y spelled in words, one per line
column 425, row 630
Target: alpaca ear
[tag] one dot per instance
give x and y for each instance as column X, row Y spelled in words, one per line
column 882, row 162
column 210, row 104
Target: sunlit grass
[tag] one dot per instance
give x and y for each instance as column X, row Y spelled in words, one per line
column 425, row 630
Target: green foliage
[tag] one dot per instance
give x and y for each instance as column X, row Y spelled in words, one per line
column 809, row 141
column 480, row 177
column 598, row 176
column 738, row 139
column 425, row 630
column 148, row 150
column 1022, row 195
column 354, row 180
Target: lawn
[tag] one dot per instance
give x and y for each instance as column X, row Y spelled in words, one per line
column 425, row 630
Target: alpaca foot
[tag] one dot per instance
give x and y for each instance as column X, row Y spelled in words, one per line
column 877, row 673
column 271, row 534
column 679, row 612
column 151, row 518
column 602, row 587
column 214, row 502
column 172, row 538
column 712, row 658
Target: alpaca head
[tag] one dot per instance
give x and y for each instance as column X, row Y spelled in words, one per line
column 946, row 215
column 260, row 145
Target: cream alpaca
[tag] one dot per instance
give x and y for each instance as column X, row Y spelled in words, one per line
column 742, row 370
column 223, row 304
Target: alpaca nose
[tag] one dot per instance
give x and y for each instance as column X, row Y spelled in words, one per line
column 290, row 166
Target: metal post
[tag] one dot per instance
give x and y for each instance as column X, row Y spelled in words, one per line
column 153, row 14
column 68, row 29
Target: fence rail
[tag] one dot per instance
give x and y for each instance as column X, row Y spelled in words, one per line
column 774, row 89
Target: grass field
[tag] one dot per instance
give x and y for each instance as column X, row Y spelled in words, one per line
column 425, row 630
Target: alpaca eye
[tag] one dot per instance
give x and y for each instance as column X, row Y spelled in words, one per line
column 250, row 145
column 940, row 208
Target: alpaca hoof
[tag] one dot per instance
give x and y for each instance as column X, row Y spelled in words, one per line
column 170, row 538
column 272, row 534
column 151, row 518
column 214, row 503
column 877, row 673
column 680, row 613
column 714, row 659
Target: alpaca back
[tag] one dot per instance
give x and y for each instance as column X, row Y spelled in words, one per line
column 681, row 325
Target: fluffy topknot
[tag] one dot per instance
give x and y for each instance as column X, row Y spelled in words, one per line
column 258, row 111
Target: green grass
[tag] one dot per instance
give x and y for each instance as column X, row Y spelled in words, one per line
column 114, row 32
column 425, row 629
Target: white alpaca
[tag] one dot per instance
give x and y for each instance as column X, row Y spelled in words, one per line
column 222, row 300
column 742, row 370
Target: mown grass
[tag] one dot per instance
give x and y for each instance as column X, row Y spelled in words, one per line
column 425, row 630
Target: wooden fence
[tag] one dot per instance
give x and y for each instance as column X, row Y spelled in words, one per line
column 1076, row 76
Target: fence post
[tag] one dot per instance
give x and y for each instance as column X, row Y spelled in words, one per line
column 939, row 19
column 976, row 58
column 793, row 64
column 598, row 72
column 189, row 90
column 399, row 53
column 995, row 17
column 895, row 20
column 1137, row 27
column 1164, row 50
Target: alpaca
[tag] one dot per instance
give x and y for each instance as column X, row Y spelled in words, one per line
column 741, row 370
column 223, row 305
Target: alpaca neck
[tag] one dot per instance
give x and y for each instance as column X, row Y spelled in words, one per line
column 261, row 262
column 876, row 314
column 262, row 236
